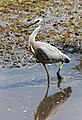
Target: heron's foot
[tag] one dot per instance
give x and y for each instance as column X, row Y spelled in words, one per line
column 62, row 90
column 60, row 81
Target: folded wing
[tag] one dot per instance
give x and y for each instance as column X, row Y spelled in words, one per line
column 46, row 53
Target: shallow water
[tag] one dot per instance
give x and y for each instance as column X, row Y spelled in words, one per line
column 23, row 89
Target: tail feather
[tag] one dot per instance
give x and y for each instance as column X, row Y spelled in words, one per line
column 65, row 58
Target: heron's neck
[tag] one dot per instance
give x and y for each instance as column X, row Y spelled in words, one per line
column 34, row 33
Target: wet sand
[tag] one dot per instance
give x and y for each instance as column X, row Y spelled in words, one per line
column 23, row 90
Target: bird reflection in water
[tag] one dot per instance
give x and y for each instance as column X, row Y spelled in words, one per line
column 50, row 105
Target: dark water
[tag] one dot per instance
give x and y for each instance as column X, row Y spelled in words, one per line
column 23, row 90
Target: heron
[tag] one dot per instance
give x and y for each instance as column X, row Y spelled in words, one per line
column 44, row 52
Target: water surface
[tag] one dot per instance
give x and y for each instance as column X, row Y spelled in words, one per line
column 23, row 89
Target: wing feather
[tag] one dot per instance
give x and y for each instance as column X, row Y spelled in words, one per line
column 48, row 53
column 41, row 56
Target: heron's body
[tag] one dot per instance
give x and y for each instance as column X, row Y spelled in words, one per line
column 44, row 52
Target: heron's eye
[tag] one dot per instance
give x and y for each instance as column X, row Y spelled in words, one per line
column 37, row 21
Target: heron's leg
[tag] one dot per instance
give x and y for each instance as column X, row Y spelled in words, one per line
column 47, row 74
column 61, row 65
column 59, row 76
column 47, row 91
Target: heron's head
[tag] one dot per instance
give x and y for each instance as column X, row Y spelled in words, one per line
column 38, row 20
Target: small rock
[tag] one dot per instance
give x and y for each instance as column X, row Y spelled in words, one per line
column 77, row 34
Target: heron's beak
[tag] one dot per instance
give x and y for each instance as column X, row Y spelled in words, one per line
column 33, row 23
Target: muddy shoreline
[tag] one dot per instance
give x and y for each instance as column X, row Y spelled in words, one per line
column 63, row 29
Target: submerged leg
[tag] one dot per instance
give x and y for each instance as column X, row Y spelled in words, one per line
column 47, row 74
column 59, row 76
column 47, row 91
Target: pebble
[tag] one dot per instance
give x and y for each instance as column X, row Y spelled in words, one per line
column 9, row 109
column 25, row 111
